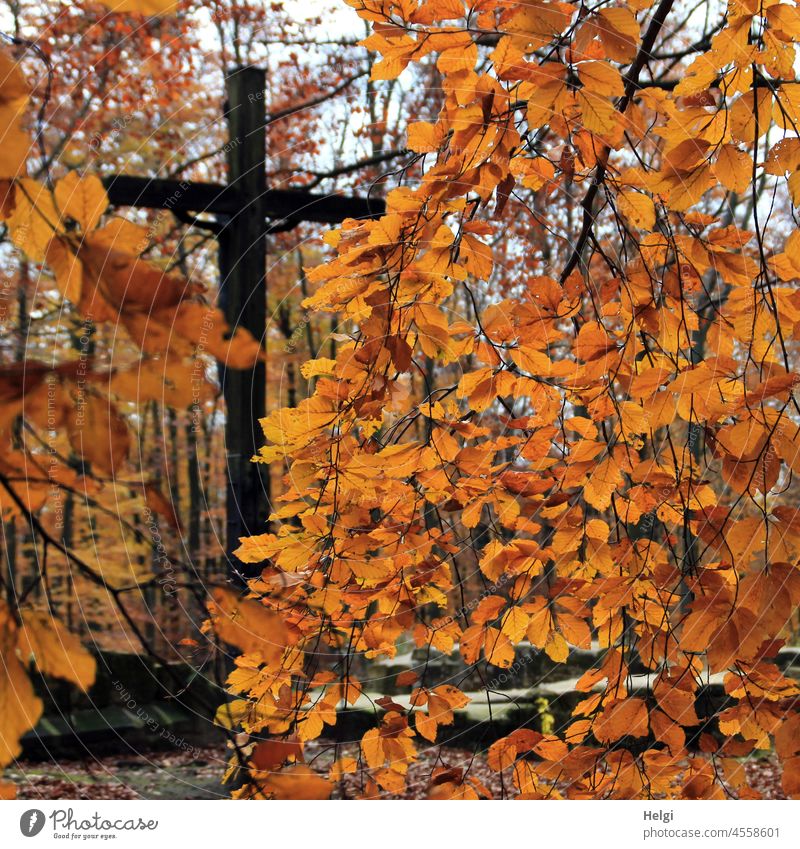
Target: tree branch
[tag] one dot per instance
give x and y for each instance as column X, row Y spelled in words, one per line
column 631, row 80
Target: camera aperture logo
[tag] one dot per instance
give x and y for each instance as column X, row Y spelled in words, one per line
column 65, row 825
column 31, row 822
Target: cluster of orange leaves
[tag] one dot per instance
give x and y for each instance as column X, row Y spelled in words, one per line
column 624, row 488
column 63, row 228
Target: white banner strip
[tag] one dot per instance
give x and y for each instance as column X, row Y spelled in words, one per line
column 390, row 824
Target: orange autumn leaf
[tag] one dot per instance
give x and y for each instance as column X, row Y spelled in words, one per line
column 248, row 625
column 621, row 718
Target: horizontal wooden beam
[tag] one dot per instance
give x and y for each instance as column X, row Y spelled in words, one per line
column 174, row 195
column 297, row 205
column 185, row 196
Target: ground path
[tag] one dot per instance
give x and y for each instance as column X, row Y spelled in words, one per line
column 196, row 774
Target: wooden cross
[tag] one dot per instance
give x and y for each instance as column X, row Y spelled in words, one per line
column 245, row 211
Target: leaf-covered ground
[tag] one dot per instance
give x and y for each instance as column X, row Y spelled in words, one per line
column 195, row 774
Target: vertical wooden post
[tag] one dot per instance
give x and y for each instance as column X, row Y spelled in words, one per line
column 243, row 297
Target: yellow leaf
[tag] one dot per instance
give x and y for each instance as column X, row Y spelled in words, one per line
column 601, row 484
column 507, row 57
column 122, row 235
column 514, row 624
column 601, row 78
column 794, row 187
column 471, row 514
column 734, row 168
column 35, row 220
column 81, row 198
column 790, row 780
column 314, row 368
column 14, row 88
column 685, row 188
column 619, row 33
column 372, row 747
column 298, row 782
column 425, row 725
column 458, row 59
column 622, row 718
column 593, row 342
column 248, row 625
column 551, row 748
column 537, row 23
column 477, row 257
column 343, row 766
column 479, row 387
column 389, row 68
column 20, row 709
column 575, row 630
column 498, row 648
column 55, row 650
column 15, row 144
column 438, row 10
column 556, row 647
column 208, row 327
column 599, row 115
column 67, row 269
column 638, row 209
column 541, row 623
column 310, row 726
column 423, row 137
column 99, row 434
column 452, row 695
